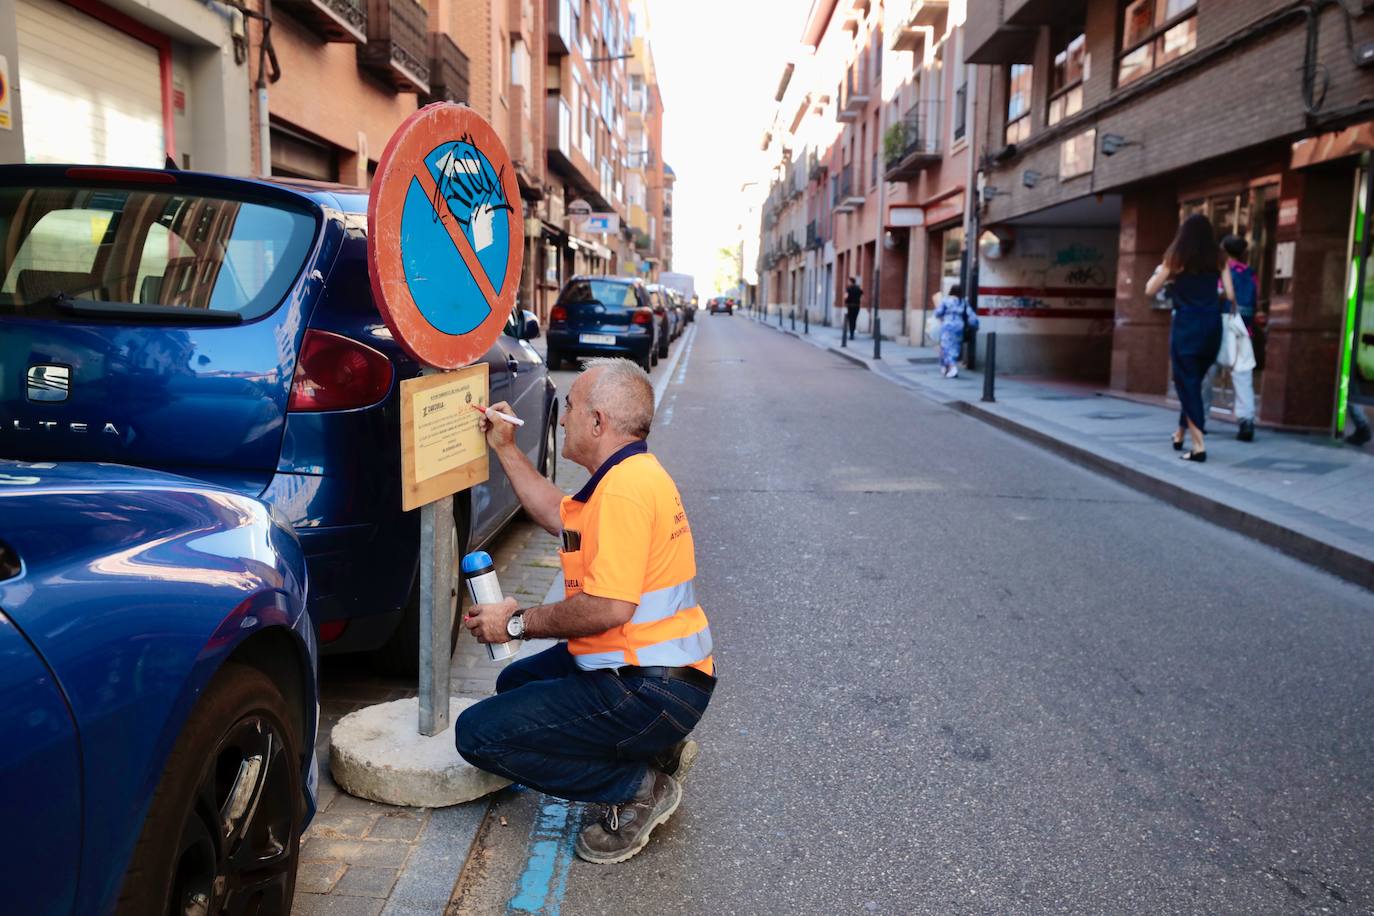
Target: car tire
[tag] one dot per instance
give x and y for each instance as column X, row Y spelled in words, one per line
column 182, row 852
column 554, row 360
column 663, row 350
column 646, row 362
column 399, row 656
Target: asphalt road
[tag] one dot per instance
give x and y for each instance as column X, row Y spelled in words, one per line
column 960, row 675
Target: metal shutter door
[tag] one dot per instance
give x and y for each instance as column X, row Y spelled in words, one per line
column 91, row 94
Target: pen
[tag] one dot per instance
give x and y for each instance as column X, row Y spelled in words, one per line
column 514, row 421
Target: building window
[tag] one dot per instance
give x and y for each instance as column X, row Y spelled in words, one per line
column 1019, row 79
column 1153, row 33
column 1066, row 78
column 959, row 119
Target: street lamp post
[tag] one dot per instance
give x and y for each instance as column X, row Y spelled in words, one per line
column 878, row 244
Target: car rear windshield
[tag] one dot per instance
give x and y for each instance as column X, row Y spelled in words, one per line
column 599, row 292
column 159, row 250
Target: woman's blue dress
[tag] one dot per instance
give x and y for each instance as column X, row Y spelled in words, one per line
column 1194, row 340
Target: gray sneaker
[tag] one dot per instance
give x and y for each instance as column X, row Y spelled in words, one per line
column 678, row 759
column 625, row 829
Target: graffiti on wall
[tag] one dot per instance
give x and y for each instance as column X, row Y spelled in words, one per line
column 1052, row 273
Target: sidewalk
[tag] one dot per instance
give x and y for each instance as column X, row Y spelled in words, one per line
column 359, row 858
column 1304, row 494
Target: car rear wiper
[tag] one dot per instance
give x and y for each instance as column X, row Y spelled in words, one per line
column 91, row 308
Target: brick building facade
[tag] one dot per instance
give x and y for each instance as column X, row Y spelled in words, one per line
column 1109, row 121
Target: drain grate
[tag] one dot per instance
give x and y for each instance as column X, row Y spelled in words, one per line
column 923, row 360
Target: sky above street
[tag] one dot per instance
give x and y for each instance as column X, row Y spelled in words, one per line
column 719, row 62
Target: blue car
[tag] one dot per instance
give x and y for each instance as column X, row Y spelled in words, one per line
column 224, row 329
column 158, row 669
column 606, row 316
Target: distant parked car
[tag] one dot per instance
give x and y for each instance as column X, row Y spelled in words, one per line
column 605, row 316
column 667, row 331
column 720, row 304
column 158, row 668
column 224, row 328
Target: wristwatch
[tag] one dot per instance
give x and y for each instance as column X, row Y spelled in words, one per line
column 515, row 627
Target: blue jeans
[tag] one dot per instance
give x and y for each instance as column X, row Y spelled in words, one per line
column 581, row 735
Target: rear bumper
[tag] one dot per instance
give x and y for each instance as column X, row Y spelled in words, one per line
column 569, row 342
column 361, row 552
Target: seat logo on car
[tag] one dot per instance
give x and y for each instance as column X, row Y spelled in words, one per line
column 49, row 383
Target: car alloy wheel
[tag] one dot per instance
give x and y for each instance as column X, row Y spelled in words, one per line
column 222, row 834
column 236, row 850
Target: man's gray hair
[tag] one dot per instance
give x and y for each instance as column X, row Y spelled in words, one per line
column 624, row 394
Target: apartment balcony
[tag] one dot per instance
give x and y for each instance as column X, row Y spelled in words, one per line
column 636, row 106
column 448, row 70
column 844, row 196
column 923, row 19
column 997, row 35
column 558, row 131
column 332, row 20
column 853, row 94
column 913, row 144
column 813, row 236
column 561, row 38
column 397, row 49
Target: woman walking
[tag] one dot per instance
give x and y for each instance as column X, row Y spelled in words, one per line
column 1191, row 271
column 953, row 310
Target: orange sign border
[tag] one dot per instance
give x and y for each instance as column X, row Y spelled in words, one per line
column 401, row 160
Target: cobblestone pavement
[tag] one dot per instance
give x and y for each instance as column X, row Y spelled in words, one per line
column 360, row 858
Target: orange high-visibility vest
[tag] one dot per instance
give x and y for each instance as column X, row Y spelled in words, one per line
column 626, row 536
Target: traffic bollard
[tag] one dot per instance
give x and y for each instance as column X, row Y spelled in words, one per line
column 794, row 319
column 806, row 321
column 877, row 335
column 779, row 318
column 844, row 331
column 989, row 369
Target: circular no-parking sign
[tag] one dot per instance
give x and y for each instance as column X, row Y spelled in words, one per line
column 445, row 235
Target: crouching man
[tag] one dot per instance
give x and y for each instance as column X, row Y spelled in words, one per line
column 603, row 716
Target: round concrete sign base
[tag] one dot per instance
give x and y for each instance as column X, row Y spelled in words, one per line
column 377, row 753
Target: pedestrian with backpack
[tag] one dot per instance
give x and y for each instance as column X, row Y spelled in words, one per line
column 954, row 312
column 1246, row 293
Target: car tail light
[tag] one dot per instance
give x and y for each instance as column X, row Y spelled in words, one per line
column 558, row 314
column 643, row 316
column 332, row 630
column 338, row 373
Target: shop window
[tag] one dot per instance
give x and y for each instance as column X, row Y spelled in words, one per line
column 1066, row 77
column 1019, row 79
column 1154, row 33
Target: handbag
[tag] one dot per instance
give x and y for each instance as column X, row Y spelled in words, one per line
column 933, row 326
column 1230, row 340
column 1245, row 349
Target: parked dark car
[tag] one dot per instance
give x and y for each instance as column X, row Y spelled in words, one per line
column 159, row 669
column 605, row 316
column 658, row 299
column 224, row 329
column 720, row 304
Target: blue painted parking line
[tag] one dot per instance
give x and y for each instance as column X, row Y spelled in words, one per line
column 544, row 881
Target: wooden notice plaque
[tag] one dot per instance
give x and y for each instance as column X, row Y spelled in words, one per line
column 442, row 447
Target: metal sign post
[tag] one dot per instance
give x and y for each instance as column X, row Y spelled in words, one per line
column 446, row 244
column 437, row 591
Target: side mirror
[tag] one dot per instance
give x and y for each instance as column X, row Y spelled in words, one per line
column 530, row 329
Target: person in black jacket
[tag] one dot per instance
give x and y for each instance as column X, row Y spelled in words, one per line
column 853, row 297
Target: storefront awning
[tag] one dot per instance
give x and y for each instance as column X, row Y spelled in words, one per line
column 1335, row 145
